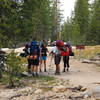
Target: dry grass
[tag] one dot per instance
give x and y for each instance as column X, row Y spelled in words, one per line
column 88, row 52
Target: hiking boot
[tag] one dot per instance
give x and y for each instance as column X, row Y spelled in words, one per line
column 67, row 69
column 57, row 73
column 64, row 70
column 45, row 70
column 33, row 74
column 37, row 74
column 40, row 70
column 29, row 71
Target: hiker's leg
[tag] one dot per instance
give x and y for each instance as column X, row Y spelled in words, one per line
column 36, row 69
column 36, row 66
column 33, row 70
column 40, row 64
column 45, row 63
column 57, row 62
column 68, row 63
column 58, row 68
column 65, row 62
column 29, row 65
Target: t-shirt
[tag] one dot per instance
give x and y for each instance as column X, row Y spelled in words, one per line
column 44, row 51
column 56, row 51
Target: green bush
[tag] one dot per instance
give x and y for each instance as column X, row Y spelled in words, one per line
column 14, row 68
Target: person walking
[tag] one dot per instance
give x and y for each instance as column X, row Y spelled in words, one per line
column 65, row 53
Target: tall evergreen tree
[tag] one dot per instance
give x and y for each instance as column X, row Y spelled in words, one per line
column 82, row 18
column 94, row 36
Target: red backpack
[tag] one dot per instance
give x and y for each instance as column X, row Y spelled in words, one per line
column 59, row 43
column 65, row 53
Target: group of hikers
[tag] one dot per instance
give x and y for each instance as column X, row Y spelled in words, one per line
column 36, row 54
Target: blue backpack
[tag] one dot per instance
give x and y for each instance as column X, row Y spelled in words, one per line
column 34, row 48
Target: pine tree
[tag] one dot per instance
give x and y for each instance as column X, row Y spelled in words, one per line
column 81, row 18
column 94, row 36
column 56, row 20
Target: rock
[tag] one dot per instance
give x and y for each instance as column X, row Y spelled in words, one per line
column 96, row 92
column 85, row 96
column 59, row 88
column 26, row 74
column 93, row 92
column 83, row 89
column 91, row 62
column 38, row 91
column 7, row 94
column 75, row 89
column 87, row 61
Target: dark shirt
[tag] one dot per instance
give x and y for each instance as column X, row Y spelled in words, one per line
column 44, row 51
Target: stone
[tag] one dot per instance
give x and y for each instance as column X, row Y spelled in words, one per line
column 38, row 91
column 85, row 96
column 7, row 94
column 95, row 92
column 83, row 89
column 59, row 88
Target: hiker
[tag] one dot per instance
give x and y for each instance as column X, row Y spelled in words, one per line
column 65, row 54
column 34, row 57
column 66, row 57
column 44, row 51
column 57, row 57
column 27, row 52
column 40, row 58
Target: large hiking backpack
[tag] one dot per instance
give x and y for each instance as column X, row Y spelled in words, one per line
column 33, row 47
column 34, row 50
column 65, row 51
column 59, row 43
column 71, row 53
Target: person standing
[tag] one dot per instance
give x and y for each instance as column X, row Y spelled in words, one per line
column 57, row 56
column 27, row 52
column 34, row 57
column 44, row 51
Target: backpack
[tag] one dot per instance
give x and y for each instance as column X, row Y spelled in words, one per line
column 59, row 43
column 34, row 50
column 71, row 53
column 65, row 52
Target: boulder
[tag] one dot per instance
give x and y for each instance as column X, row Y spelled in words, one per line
column 7, row 94
column 95, row 92
column 59, row 88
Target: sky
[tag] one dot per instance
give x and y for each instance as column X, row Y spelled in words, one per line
column 68, row 7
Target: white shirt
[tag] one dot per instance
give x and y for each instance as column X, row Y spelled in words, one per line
column 56, row 51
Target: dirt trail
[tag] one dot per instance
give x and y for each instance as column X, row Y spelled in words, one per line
column 79, row 74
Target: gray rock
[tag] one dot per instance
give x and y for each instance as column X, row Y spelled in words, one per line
column 93, row 92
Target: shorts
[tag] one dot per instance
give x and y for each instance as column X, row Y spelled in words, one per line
column 44, row 57
column 57, row 59
column 34, row 62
